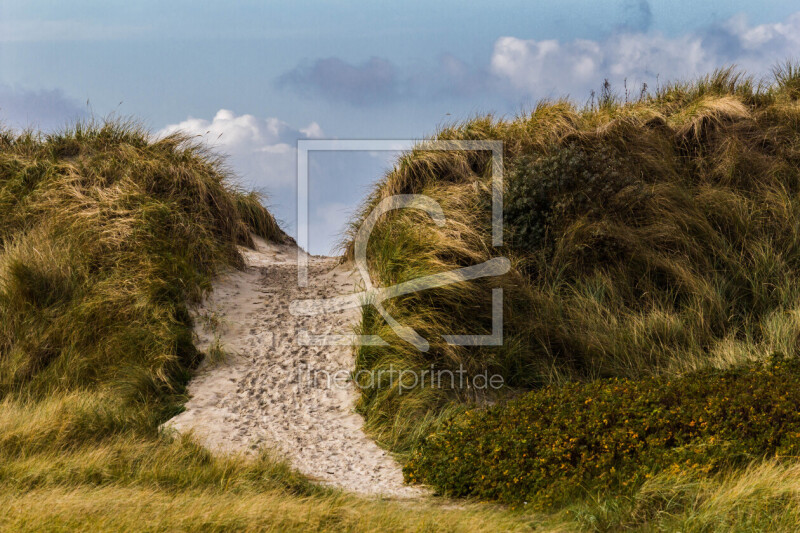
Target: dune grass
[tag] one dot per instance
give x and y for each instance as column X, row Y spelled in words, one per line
column 763, row 496
column 655, row 237
column 107, row 236
column 649, row 240
column 62, row 469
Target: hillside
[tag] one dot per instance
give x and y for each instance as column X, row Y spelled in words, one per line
column 651, row 324
column 107, row 236
column 652, row 300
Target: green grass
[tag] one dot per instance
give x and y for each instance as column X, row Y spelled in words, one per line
column 649, row 240
column 763, row 496
column 107, row 236
column 71, row 462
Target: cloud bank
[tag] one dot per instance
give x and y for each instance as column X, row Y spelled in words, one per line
column 380, row 81
column 529, row 68
column 373, row 81
column 261, row 151
column 540, row 68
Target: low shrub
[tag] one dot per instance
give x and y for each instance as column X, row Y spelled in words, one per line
column 546, row 192
column 561, row 443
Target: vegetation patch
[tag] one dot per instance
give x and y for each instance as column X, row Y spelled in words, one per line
column 560, row 443
column 652, row 237
column 106, row 235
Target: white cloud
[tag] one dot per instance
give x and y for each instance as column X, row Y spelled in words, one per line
column 262, row 151
column 313, row 131
column 552, row 68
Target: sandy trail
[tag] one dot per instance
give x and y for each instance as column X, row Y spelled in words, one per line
column 272, row 391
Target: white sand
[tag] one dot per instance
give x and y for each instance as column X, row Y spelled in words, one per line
column 264, row 392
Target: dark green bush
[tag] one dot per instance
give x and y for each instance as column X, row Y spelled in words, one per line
column 559, row 443
column 544, row 192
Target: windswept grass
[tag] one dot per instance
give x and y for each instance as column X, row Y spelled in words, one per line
column 649, row 239
column 764, row 496
column 74, row 462
column 106, row 237
column 147, row 509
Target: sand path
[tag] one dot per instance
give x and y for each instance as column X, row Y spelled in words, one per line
column 271, row 390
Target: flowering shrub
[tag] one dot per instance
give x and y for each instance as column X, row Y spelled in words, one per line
column 561, row 442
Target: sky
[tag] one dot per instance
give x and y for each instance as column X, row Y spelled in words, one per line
column 250, row 78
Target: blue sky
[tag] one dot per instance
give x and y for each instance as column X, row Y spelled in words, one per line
column 260, row 75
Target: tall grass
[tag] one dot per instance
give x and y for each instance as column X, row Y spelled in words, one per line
column 762, row 497
column 107, row 236
column 650, row 237
column 73, row 462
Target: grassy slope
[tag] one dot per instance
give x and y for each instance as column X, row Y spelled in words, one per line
column 653, row 237
column 105, row 237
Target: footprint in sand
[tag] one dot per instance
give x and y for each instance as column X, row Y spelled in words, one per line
column 256, row 396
